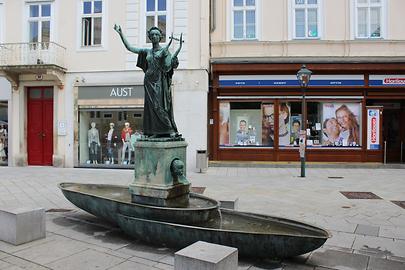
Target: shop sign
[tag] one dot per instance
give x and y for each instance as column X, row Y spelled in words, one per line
column 289, row 80
column 111, row 92
column 387, row 80
column 373, row 129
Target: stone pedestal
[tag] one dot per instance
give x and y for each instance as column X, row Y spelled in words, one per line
column 160, row 174
column 203, row 255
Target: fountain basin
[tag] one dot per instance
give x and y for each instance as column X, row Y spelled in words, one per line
column 107, row 201
column 253, row 235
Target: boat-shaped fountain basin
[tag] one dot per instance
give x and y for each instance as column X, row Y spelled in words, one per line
column 107, row 201
column 254, row 235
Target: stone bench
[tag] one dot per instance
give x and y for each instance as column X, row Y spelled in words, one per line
column 229, row 203
column 203, row 255
column 20, row 225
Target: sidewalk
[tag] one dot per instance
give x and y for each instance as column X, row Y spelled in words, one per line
column 367, row 233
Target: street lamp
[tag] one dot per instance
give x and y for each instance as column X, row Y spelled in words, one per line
column 303, row 76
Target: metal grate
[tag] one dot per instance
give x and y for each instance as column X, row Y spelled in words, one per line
column 399, row 203
column 199, row 190
column 360, row 195
column 335, row 177
column 58, row 210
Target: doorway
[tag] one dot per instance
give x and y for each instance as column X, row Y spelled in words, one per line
column 394, row 131
column 40, row 125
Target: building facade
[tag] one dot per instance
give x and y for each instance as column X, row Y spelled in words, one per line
column 74, row 88
column 355, row 100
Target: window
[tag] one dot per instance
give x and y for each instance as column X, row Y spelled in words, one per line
column 369, row 15
column 156, row 15
column 289, row 123
column 39, row 23
column 306, row 15
column 244, row 17
column 91, row 22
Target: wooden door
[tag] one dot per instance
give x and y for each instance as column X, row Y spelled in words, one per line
column 40, row 126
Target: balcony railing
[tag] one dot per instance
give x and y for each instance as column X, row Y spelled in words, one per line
column 27, row 54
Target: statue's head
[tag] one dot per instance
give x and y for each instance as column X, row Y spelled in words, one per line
column 155, row 31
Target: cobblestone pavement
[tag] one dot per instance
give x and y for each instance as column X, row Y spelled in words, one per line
column 367, row 233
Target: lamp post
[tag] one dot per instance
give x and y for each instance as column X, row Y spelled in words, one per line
column 303, row 76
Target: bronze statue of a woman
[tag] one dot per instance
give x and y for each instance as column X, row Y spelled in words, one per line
column 158, row 65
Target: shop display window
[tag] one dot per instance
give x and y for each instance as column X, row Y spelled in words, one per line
column 246, row 124
column 107, row 137
column 334, row 124
column 3, row 133
column 289, row 124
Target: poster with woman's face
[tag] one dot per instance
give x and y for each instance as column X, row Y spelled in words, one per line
column 224, row 111
column 341, row 124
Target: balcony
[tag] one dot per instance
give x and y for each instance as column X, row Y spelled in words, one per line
column 32, row 58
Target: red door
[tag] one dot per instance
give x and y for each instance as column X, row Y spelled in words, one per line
column 40, row 125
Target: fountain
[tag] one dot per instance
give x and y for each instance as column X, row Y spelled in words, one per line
column 158, row 206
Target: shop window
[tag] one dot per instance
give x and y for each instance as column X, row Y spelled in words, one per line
column 334, row 124
column 246, row 124
column 92, row 16
column 3, row 133
column 108, row 139
column 289, row 123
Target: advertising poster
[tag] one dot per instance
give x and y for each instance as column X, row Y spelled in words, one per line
column 224, row 112
column 284, row 124
column 268, row 125
column 295, row 129
column 341, row 124
column 373, row 129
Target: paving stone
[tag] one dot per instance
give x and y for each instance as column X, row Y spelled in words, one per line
column 5, row 265
column 381, row 264
column 297, row 267
column 164, row 266
column 51, row 251
column 19, row 263
column 392, row 232
column 88, row 259
column 367, row 230
column 130, row 265
column 386, row 246
column 146, row 252
column 169, row 259
column 341, row 239
column 338, row 260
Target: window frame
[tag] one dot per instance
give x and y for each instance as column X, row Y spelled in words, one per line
column 40, row 19
column 143, row 39
column 383, row 19
column 92, row 16
column 319, row 22
column 244, row 8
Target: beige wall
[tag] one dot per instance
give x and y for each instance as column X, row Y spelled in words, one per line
column 275, row 27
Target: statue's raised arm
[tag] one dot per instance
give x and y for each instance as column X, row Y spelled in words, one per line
column 130, row 48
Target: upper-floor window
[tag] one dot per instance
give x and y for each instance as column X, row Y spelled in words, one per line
column 244, row 17
column 92, row 21
column 156, row 15
column 369, row 14
column 306, row 18
column 39, row 22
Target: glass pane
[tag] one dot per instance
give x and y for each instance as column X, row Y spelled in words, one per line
column 34, row 11
column 238, row 3
column 299, row 2
column 162, row 26
column 375, row 1
column 284, row 124
column 238, row 24
column 150, row 5
column 224, row 111
column 46, row 10
column 35, row 93
column 250, row 2
column 375, row 22
column 98, row 6
column 268, row 125
column 362, row 1
column 46, row 30
column 312, row 23
column 299, row 23
column 97, row 31
column 33, row 32
column 86, row 31
column 250, row 24
column 150, row 21
column 312, row 2
column 161, row 5
column 48, row 93
column 87, row 7
column 362, row 22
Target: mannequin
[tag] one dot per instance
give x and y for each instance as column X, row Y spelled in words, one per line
column 3, row 143
column 93, row 142
column 112, row 139
column 126, row 142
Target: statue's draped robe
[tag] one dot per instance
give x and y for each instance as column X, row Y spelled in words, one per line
column 158, row 108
